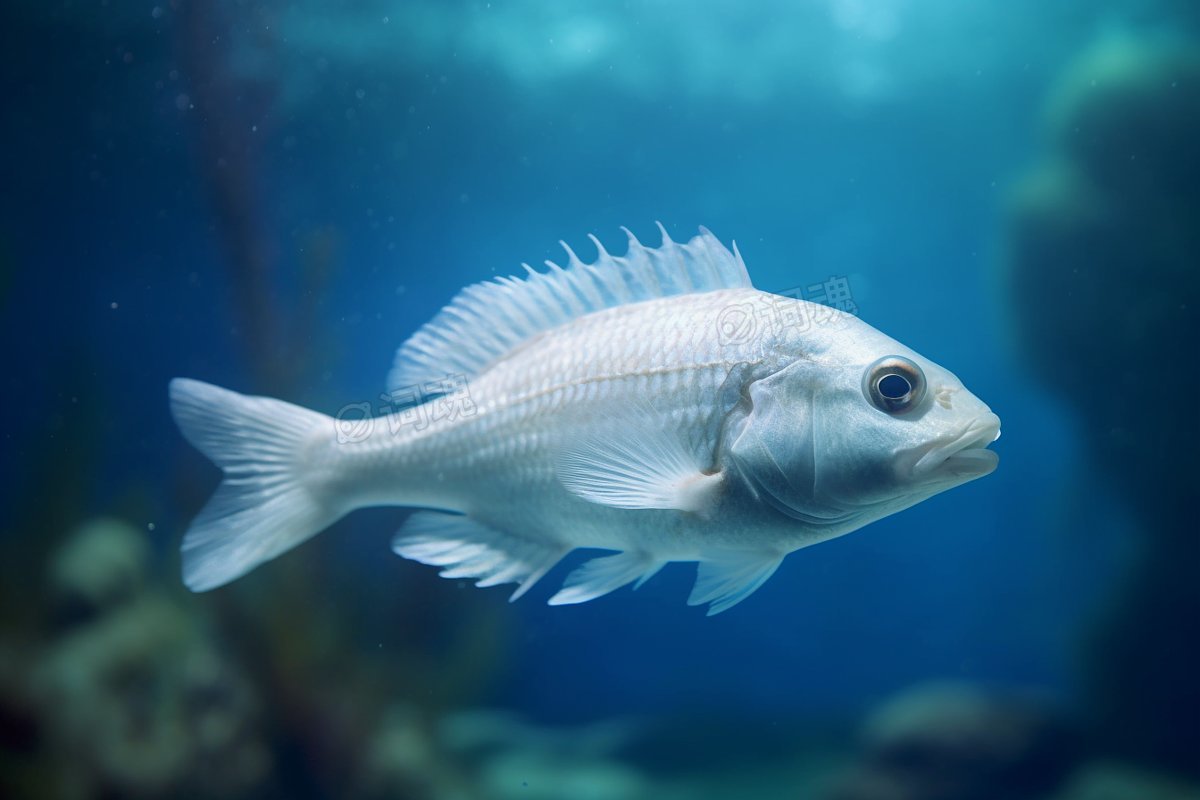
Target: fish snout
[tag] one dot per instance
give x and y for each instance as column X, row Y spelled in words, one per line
column 963, row 455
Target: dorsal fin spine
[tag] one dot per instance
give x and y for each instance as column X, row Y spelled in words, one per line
column 585, row 285
column 488, row 320
column 599, row 247
column 509, row 285
column 671, row 251
column 536, row 286
column 712, row 268
column 572, row 297
column 580, row 278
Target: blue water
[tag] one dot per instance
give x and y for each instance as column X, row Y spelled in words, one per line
column 431, row 145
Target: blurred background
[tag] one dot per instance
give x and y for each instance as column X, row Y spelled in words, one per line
column 272, row 196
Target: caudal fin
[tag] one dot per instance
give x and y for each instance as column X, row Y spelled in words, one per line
column 267, row 503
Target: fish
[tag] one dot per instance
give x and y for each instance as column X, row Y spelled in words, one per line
column 654, row 404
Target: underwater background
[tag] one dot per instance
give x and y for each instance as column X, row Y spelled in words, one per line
column 272, row 196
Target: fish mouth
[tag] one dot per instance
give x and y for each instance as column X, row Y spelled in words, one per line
column 964, row 455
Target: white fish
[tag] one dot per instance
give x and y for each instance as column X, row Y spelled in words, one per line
column 654, row 404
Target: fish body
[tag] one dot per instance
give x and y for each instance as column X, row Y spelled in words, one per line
column 656, row 405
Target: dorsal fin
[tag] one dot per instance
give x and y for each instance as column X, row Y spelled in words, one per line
column 487, row 320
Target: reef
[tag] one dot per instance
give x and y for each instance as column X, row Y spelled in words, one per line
column 125, row 686
column 1103, row 781
column 115, row 682
column 952, row 741
column 1102, row 255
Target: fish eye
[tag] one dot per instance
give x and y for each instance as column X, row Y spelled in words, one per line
column 894, row 384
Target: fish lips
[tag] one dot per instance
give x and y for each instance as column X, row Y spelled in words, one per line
column 961, row 457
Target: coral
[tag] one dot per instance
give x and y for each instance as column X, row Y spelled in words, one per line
column 127, row 687
column 1103, row 255
column 960, row 742
column 1125, row 113
column 1112, row 782
column 493, row 755
column 141, row 705
column 1102, row 261
column 103, row 567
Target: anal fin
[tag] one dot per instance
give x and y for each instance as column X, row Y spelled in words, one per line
column 599, row 576
column 466, row 548
column 725, row 581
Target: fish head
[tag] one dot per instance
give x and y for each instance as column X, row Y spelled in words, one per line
column 859, row 427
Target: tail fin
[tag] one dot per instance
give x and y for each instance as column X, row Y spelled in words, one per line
column 266, row 504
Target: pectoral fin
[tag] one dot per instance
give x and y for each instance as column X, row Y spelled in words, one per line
column 639, row 466
column 725, row 581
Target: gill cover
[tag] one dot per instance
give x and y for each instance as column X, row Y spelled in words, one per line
column 774, row 447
